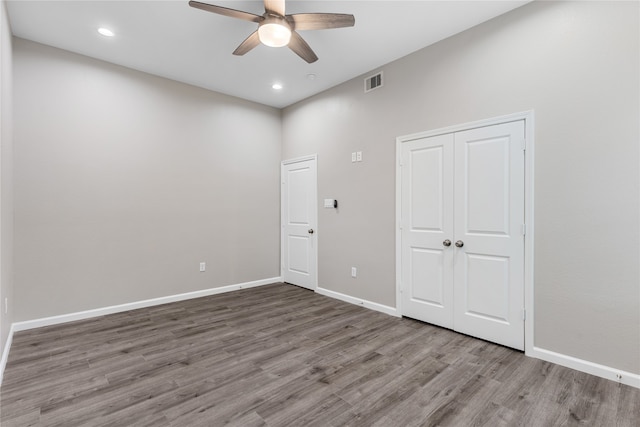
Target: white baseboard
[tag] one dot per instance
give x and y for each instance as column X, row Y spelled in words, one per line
column 64, row 318
column 5, row 353
column 392, row 311
column 598, row 370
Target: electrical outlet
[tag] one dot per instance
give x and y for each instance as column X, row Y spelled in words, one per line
column 353, row 157
column 203, row 266
column 354, row 272
column 358, row 156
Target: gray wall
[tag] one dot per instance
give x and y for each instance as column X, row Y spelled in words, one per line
column 6, row 181
column 124, row 182
column 577, row 66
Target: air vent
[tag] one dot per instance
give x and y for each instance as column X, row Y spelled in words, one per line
column 373, row 82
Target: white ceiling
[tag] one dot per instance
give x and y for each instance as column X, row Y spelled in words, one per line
column 170, row 39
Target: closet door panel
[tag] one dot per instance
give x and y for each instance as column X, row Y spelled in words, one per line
column 489, row 218
column 427, row 218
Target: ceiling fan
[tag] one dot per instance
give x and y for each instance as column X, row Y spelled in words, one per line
column 276, row 29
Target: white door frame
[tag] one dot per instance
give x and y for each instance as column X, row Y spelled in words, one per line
column 528, row 117
column 284, row 163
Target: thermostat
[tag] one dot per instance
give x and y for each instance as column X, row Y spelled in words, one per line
column 330, row 203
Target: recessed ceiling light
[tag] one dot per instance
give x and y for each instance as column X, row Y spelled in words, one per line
column 106, row 32
column 276, row 86
column 311, row 76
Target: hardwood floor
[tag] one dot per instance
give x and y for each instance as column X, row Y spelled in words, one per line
column 279, row 355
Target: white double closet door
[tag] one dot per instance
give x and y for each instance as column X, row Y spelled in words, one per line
column 462, row 218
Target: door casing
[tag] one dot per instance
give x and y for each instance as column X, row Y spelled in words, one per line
column 528, row 117
column 313, row 285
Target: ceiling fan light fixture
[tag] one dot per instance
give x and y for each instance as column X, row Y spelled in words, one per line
column 274, row 32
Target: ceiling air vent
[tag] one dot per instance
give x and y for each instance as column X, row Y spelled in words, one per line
column 373, row 82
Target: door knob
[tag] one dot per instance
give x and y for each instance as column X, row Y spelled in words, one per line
column 459, row 243
column 447, row 243
column 311, row 231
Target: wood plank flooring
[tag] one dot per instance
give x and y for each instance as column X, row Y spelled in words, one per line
column 279, row 355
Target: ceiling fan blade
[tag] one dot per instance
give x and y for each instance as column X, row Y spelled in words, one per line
column 301, row 48
column 274, row 6
column 320, row 21
column 246, row 16
column 249, row 43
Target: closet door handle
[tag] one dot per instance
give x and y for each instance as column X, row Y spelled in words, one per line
column 446, row 243
column 459, row 243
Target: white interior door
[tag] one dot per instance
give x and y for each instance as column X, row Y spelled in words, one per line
column 427, row 229
column 299, row 222
column 462, row 237
column 489, row 221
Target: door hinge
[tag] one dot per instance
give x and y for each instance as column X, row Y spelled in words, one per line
column 524, row 144
column 524, row 229
column 400, row 225
column 400, row 162
column 524, row 314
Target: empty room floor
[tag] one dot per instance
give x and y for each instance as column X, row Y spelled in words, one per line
column 279, row 355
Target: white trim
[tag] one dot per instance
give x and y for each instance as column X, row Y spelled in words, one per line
column 528, row 117
column 284, row 163
column 529, row 194
column 397, row 225
column 596, row 369
column 300, row 159
column 5, row 353
column 357, row 301
column 523, row 115
column 71, row 317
